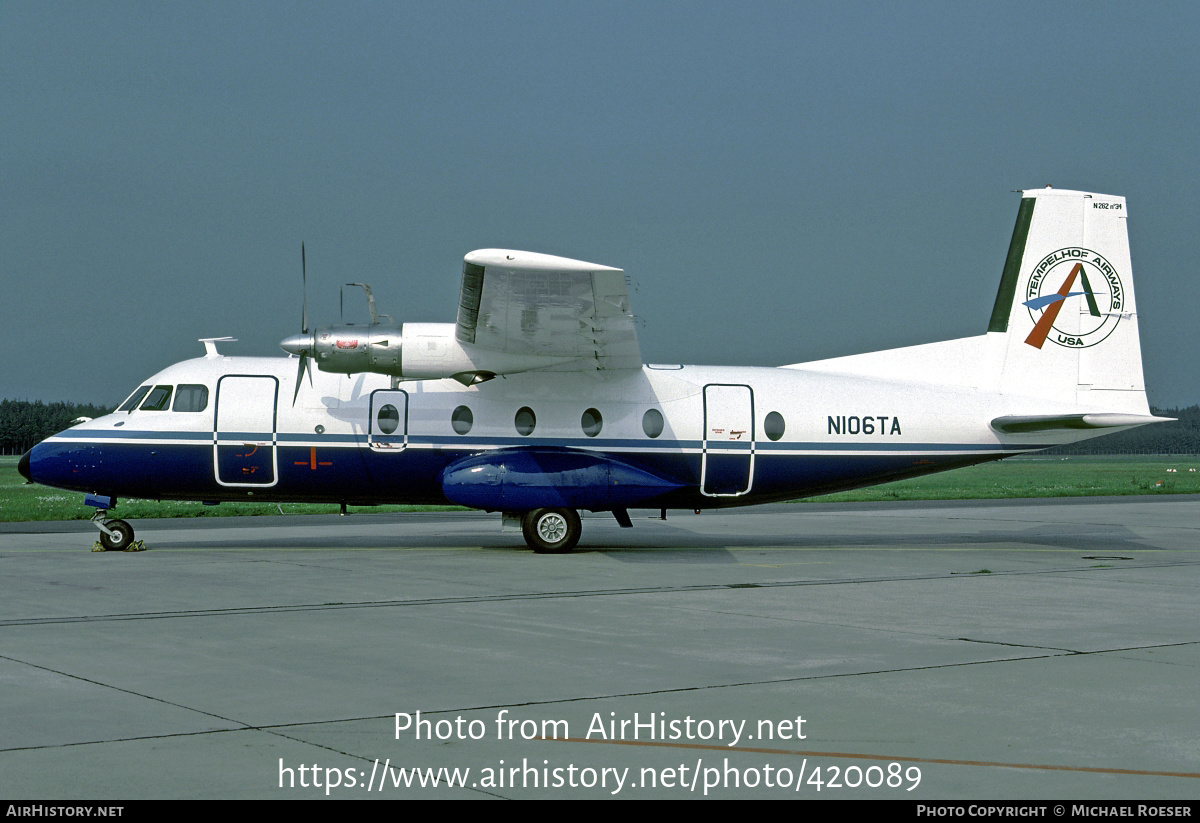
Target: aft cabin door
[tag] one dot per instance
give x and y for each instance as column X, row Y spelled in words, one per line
column 244, row 448
column 727, row 466
column 389, row 420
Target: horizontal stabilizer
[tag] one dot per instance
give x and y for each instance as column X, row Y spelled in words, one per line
column 1027, row 423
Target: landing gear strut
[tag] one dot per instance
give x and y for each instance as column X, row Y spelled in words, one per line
column 115, row 535
column 551, row 531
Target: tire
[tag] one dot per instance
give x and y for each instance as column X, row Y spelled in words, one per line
column 120, row 539
column 551, row 531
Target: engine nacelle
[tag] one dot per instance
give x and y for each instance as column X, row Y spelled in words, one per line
column 353, row 349
column 412, row 351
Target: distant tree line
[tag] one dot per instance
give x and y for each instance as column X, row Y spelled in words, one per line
column 24, row 423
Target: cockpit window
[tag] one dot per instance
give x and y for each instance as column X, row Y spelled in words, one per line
column 158, row 399
column 135, row 398
column 190, row 398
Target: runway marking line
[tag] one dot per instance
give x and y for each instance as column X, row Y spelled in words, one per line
column 941, row 549
column 858, row 756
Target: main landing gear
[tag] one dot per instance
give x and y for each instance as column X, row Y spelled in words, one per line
column 556, row 531
column 551, row 531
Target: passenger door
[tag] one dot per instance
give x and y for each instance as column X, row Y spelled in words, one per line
column 244, row 446
column 727, row 465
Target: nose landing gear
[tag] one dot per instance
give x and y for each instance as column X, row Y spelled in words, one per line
column 115, row 535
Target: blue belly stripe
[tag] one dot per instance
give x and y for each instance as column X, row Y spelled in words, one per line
column 347, row 470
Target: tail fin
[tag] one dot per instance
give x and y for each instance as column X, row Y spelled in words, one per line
column 1064, row 327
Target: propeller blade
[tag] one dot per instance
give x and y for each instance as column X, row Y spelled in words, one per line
column 303, row 292
column 300, row 375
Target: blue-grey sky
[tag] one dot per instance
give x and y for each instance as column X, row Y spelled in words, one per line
column 782, row 181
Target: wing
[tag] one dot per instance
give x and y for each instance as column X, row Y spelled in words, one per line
column 524, row 303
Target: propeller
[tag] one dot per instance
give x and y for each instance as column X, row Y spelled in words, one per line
column 303, row 343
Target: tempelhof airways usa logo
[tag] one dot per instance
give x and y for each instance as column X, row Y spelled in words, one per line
column 1064, row 277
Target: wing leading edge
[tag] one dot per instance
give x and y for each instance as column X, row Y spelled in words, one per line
column 523, row 303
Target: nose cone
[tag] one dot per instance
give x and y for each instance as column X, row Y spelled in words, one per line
column 23, row 466
column 298, row 344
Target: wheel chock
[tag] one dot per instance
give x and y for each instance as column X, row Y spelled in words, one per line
column 135, row 546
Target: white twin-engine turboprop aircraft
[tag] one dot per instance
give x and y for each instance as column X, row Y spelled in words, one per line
column 535, row 403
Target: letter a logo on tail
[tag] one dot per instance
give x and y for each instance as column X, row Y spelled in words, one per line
column 1038, row 336
column 1051, row 304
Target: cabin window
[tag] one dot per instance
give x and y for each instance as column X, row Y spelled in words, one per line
column 652, row 422
column 462, row 420
column 135, row 398
column 158, row 399
column 525, row 421
column 388, row 419
column 591, row 422
column 190, row 398
column 774, row 425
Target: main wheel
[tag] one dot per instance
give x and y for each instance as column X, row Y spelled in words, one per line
column 121, row 537
column 551, row 531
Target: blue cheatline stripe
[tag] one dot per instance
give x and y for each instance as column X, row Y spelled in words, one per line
column 890, row 447
column 736, row 448
column 119, row 434
column 309, row 438
column 590, row 444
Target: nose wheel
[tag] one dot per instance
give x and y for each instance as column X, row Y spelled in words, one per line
column 551, row 531
column 115, row 535
column 118, row 537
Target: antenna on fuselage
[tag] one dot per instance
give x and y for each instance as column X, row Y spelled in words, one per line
column 210, row 344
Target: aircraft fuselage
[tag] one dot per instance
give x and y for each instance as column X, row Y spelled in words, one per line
column 714, row 436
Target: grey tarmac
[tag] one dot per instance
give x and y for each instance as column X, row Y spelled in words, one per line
column 1004, row 649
